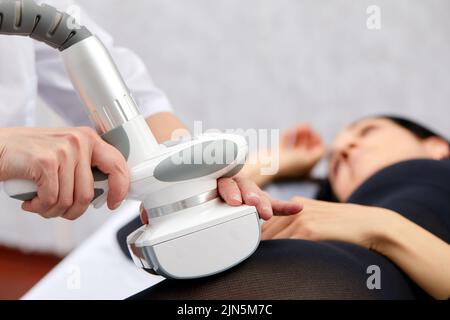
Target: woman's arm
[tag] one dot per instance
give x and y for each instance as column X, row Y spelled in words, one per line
column 300, row 149
column 165, row 125
column 420, row 254
column 253, row 169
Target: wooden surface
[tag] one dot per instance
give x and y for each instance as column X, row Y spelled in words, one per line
column 19, row 271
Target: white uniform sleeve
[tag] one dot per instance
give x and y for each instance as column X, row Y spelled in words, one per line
column 56, row 90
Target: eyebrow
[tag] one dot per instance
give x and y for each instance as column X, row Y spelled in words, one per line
column 354, row 124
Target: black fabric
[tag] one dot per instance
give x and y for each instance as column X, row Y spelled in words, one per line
column 294, row 269
column 298, row 269
column 417, row 189
column 325, row 192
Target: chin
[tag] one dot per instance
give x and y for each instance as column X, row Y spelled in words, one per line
column 344, row 194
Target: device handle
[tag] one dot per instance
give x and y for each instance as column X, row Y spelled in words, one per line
column 22, row 189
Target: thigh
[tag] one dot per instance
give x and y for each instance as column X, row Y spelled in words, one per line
column 295, row 269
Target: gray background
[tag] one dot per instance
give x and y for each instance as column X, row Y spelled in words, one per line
column 274, row 63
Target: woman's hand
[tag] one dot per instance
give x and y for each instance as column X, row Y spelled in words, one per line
column 320, row 220
column 60, row 161
column 240, row 190
column 300, row 150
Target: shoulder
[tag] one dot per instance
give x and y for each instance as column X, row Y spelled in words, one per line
column 411, row 174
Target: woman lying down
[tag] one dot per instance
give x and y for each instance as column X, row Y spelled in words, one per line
column 380, row 231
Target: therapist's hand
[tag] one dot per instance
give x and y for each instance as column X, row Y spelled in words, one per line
column 60, row 161
column 240, row 190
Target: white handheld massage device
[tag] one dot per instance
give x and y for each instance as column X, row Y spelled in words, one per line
column 191, row 233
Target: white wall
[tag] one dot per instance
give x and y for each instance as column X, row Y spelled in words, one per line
column 273, row 63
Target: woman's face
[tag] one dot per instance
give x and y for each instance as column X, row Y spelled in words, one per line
column 366, row 147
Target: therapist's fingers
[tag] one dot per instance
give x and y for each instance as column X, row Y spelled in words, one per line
column 45, row 168
column 66, row 186
column 253, row 196
column 143, row 213
column 229, row 191
column 83, row 190
column 111, row 162
column 265, row 207
column 59, row 161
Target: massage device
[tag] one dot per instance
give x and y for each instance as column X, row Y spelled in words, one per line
column 191, row 233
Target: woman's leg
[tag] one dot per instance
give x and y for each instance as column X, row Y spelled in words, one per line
column 295, row 269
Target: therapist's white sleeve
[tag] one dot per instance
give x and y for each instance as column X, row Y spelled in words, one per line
column 56, row 90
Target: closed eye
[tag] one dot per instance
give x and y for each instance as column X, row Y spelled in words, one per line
column 366, row 130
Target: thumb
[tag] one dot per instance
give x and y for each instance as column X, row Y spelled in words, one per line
column 286, row 208
column 143, row 213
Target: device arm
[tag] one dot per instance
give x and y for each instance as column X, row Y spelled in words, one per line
column 95, row 78
column 41, row 22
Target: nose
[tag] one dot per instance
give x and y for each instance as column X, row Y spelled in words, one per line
column 348, row 149
column 344, row 145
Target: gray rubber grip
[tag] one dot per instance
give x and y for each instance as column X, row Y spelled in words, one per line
column 97, row 175
column 30, row 195
column 43, row 23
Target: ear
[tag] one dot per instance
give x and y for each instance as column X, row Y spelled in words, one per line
column 437, row 148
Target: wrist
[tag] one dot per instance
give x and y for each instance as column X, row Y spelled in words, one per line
column 295, row 164
column 386, row 235
column 8, row 133
column 253, row 172
column 3, row 138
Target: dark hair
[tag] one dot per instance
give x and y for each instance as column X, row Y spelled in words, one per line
column 326, row 193
column 419, row 130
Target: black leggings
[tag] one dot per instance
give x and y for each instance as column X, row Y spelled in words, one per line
column 296, row 269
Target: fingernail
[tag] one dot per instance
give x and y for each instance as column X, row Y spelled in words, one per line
column 267, row 211
column 116, row 205
column 237, row 197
